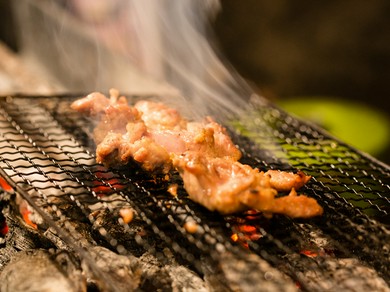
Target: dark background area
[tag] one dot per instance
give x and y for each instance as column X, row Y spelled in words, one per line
column 7, row 25
column 289, row 48
column 311, row 49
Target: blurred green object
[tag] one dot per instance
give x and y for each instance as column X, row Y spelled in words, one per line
column 354, row 123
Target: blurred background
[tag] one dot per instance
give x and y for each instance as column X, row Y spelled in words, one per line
column 327, row 62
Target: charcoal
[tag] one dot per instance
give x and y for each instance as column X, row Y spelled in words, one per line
column 117, row 269
column 167, row 275
column 37, row 271
column 343, row 274
column 19, row 238
column 240, row 276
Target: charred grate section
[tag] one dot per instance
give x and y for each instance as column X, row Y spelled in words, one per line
column 47, row 156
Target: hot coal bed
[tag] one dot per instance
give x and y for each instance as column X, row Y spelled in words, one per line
column 70, row 224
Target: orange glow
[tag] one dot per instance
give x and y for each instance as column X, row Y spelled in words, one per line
column 234, row 237
column 309, row 253
column 106, row 189
column 244, row 233
column 100, row 187
column 5, row 186
column 3, row 228
column 247, row 228
column 26, row 217
column 245, row 244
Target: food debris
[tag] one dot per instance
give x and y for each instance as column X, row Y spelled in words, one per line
column 172, row 189
column 191, row 227
column 127, row 215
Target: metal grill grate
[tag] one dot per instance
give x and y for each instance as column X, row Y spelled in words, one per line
column 47, row 155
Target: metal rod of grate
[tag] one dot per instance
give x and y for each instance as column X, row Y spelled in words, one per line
column 46, row 153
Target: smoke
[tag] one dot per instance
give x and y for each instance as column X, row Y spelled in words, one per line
column 91, row 45
column 177, row 36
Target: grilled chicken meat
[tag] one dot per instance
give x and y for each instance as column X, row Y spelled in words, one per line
column 159, row 139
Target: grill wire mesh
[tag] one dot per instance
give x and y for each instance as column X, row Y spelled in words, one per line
column 47, row 156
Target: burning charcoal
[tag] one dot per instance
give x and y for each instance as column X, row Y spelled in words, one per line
column 152, row 274
column 355, row 276
column 29, row 215
column 326, row 273
column 37, row 270
column 19, row 238
column 184, row 279
column 240, row 276
column 167, row 276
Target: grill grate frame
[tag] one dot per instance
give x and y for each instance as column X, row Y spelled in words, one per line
column 46, row 153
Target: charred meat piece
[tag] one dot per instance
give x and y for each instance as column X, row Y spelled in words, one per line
column 159, row 139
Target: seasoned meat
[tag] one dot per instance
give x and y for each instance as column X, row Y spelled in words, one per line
column 159, row 139
column 227, row 186
column 285, row 181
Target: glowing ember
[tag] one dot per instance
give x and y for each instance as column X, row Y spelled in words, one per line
column 246, row 229
column 234, row 237
column 309, row 253
column 25, row 212
column 107, row 185
column 3, row 226
column 5, row 186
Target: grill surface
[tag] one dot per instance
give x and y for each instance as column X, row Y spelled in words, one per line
column 47, row 156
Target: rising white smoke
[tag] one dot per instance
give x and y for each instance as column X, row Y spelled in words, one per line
column 176, row 44
column 97, row 44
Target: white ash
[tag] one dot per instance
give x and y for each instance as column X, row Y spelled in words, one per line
column 240, row 275
column 37, row 271
column 146, row 272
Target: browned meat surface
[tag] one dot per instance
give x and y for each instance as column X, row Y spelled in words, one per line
column 159, row 139
column 285, row 181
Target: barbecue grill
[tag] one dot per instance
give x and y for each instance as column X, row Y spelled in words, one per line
column 47, row 159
